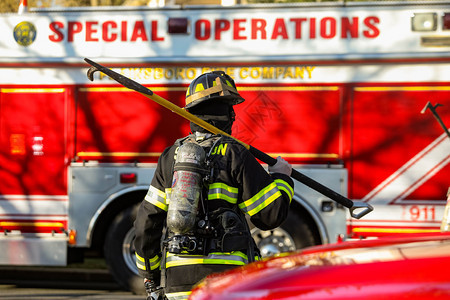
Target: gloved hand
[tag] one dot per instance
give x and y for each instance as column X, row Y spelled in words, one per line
column 281, row 166
column 153, row 292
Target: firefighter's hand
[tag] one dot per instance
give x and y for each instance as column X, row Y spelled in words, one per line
column 281, row 166
column 153, row 292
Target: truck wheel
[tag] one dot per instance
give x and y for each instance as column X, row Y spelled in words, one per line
column 119, row 252
column 292, row 235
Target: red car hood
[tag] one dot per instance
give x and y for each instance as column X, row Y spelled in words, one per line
column 409, row 267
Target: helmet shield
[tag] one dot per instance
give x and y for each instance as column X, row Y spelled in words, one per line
column 216, row 85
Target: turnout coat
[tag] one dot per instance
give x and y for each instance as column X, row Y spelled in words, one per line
column 239, row 183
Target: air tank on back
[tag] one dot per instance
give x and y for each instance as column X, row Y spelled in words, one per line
column 186, row 188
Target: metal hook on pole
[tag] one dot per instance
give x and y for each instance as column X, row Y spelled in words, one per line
column 436, row 115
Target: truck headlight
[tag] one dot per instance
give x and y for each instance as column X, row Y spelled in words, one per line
column 424, row 22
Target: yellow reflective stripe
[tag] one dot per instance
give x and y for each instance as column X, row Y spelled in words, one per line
column 156, row 197
column 141, row 259
column 264, row 204
column 212, row 254
column 233, row 258
column 155, row 262
column 262, row 199
column 221, row 185
column 140, row 262
column 234, row 253
column 168, row 193
column 178, row 295
column 284, row 186
column 222, row 191
column 203, row 261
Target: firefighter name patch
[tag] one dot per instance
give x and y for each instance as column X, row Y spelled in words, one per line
column 25, row 33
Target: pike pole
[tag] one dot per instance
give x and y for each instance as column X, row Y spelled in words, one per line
column 436, row 115
column 357, row 209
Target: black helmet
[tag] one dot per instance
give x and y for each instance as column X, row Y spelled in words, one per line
column 216, row 85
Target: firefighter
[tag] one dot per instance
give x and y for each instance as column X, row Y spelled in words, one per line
column 192, row 221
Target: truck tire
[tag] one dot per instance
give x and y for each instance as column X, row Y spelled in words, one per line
column 119, row 251
column 293, row 234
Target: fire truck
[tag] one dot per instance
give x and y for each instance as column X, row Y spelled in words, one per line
column 337, row 89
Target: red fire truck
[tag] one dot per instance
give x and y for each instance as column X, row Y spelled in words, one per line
column 337, row 89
